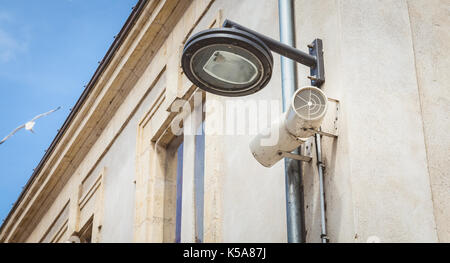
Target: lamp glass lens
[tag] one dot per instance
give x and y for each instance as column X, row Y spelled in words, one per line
column 230, row 68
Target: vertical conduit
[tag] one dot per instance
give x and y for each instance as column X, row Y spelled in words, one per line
column 323, row 223
column 293, row 172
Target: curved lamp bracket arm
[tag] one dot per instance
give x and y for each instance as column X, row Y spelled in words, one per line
column 314, row 60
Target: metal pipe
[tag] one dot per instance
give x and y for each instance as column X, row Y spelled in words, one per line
column 282, row 48
column 293, row 171
column 320, row 166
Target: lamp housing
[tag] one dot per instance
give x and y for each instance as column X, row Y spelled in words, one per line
column 227, row 62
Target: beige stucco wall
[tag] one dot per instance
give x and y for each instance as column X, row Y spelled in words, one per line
column 387, row 173
column 430, row 24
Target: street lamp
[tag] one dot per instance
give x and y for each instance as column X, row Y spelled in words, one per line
column 237, row 61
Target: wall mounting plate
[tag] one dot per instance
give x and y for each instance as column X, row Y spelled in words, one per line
column 330, row 122
column 317, row 73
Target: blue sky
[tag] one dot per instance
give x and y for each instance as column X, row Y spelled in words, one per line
column 49, row 50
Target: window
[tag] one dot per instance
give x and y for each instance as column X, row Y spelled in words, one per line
column 190, row 166
column 179, row 186
column 199, row 182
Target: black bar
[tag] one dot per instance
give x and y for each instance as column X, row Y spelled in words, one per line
column 276, row 46
column 317, row 72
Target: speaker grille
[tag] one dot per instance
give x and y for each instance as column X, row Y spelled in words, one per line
column 310, row 103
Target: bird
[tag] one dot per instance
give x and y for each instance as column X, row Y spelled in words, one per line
column 29, row 125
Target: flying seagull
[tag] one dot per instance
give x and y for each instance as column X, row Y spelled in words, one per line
column 29, row 125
